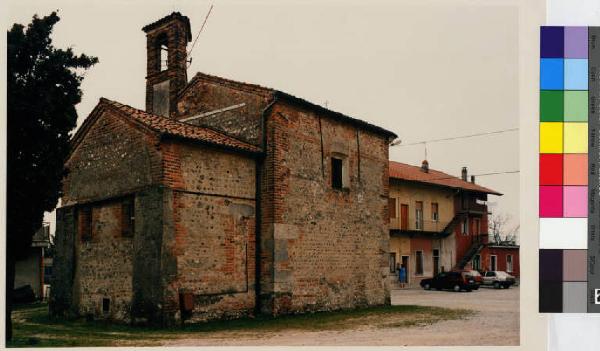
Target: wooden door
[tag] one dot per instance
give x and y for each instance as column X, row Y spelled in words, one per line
column 404, row 217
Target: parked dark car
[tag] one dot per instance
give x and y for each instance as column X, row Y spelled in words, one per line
column 23, row 294
column 457, row 281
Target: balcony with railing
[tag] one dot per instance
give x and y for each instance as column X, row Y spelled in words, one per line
column 435, row 228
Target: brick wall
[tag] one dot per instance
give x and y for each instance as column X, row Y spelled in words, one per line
column 176, row 35
column 328, row 247
column 209, row 232
column 194, row 244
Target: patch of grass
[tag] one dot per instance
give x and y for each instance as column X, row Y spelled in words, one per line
column 33, row 327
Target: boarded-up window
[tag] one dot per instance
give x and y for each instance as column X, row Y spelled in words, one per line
column 127, row 217
column 419, row 263
column 336, row 173
column 160, row 98
column 84, row 223
column 392, row 207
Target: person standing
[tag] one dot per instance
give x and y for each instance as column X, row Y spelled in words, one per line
column 402, row 276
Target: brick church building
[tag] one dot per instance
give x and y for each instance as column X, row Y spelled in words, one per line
column 220, row 199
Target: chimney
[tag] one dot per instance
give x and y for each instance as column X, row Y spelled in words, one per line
column 166, row 62
column 425, row 166
column 473, row 179
column 464, row 174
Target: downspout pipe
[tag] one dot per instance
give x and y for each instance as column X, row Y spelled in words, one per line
column 258, row 204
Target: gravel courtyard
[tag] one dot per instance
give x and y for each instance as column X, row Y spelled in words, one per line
column 496, row 322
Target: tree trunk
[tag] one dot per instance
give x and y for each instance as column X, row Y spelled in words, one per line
column 10, row 285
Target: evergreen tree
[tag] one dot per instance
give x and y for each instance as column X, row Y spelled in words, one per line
column 43, row 89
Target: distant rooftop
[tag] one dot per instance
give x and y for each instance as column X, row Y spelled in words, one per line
column 403, row 171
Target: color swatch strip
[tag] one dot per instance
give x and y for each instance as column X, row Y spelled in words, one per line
column 565, row 107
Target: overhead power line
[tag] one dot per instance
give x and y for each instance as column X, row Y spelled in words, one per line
column 475, row 175
column 460, row 137
column 200, row 31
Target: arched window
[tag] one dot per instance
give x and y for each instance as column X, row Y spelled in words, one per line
column 162, row 52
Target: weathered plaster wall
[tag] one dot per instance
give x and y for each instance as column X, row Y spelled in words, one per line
column 408, row 193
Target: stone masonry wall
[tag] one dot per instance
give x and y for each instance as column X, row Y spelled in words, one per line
column 329, row 246
column 206, row 94
column 114, row 159
column 105, row 265
column 209, row 236
column 61, row 294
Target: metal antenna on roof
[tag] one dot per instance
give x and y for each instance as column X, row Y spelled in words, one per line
column 198, row 35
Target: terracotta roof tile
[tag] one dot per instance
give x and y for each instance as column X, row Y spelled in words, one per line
column 175, row 128
column 415, row 174
column 168, row 18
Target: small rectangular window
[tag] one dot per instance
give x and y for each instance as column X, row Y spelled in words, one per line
column 392, row 207
column 105, row 305
column 435, row 216
column 84, row 225
column 392, row 262
column 477, row 262
column 509, row 263
column 127, row 218
column 336, row 173
column 493, row 263
column 419, row 263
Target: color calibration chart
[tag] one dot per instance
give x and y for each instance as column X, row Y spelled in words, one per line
column 569, row 270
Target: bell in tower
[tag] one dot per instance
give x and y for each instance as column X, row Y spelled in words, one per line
column 166, row 45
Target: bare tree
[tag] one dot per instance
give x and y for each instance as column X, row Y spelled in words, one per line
column 498, row 228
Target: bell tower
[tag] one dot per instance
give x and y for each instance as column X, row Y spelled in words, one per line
column 166, row 44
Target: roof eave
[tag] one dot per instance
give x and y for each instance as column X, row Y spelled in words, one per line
column 491, row 192
column 240, row 150
column 352, row 120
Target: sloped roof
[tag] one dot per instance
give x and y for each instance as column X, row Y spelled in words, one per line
column 411, row 173
column 165, row 126
column 170, row 126
column 290, row 98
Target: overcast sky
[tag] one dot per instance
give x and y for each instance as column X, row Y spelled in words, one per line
column 423, row 69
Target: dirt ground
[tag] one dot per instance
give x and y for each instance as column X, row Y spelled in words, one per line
column 496, row 322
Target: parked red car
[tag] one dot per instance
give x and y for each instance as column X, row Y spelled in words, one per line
column 476, row 277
